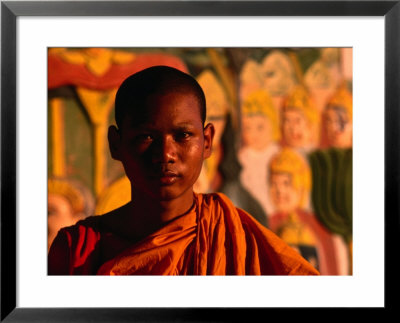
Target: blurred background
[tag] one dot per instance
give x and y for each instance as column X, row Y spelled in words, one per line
column 282, row 149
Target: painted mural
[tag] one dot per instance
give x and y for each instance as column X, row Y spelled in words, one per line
column 282, row 149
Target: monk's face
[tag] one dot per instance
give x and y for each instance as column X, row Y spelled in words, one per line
column 162, row 145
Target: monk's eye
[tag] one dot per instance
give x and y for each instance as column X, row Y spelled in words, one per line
column 143, row 138
column 182, row 135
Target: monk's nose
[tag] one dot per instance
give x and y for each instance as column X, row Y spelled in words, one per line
column 164, row 151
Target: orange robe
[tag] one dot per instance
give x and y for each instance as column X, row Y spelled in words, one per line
column 214, row 238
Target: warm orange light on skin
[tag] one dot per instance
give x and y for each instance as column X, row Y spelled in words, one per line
column 162, row 147
column 171, row 137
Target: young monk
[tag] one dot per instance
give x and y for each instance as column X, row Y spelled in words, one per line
column 167, row 229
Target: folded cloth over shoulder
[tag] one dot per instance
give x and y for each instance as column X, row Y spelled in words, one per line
column 215, row 238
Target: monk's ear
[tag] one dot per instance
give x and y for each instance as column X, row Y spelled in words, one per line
column 114, row 142
column 209, row 132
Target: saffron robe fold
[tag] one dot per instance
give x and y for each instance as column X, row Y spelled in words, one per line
column 214, row 238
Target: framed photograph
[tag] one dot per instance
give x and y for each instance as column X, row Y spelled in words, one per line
column 35, row 34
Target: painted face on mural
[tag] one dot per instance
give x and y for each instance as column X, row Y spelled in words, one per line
column 257, row 131
column 278, row 74
column 163, row 152
column 338, row 128
column 285, row 197
column 60, row 214
column 295, row 129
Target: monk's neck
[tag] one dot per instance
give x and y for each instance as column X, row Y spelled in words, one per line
column 151, row 212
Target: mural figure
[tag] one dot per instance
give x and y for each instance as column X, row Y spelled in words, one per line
column 332, row 174
column 232, row 186
column 250, row 78
column 337, row 120
column 260, row 135
column 323, row 77
column 300, row 121
column 330, row 57
column 278, row 75
column 290, row 187
column 68, row 202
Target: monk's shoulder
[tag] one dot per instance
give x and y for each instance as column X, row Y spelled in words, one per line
column 90, row 229
column 265, row 253
column 86, row 231
column 215, row 206
column 216, row 199
column 94, row 224
column 221, row 205
column 72, row 246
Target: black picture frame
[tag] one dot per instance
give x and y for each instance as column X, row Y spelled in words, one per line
column 11, row 10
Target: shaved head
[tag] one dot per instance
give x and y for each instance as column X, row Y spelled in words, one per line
column 158, row 80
